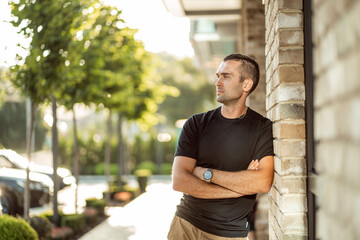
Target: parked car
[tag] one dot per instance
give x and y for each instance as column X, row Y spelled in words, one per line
column 11, row 159
column 12, row 187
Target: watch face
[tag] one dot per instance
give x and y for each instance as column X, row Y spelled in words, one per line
column 207, row 174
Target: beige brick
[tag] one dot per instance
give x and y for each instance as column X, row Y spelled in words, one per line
column 291, row 111
column 284, row 130
column 291, row 55
column 294, row 222
column 351, row 164
column 290, row 4
column 336, row 153
column 294, row 236
column 289, row 148
column 290, row 92
column 289, row 74
column 351, row 73
column 291, row 37
column 275, row 229
column 290, row 184
column 286, row 111
column 289, row 20
column 293, row 203
column 325, row 127
column 327, row 51
column 290, row 166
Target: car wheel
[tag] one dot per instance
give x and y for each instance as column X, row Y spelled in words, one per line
column 7, row 204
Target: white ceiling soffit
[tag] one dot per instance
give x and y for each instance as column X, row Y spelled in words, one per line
column 174, row 7
column 218, row 10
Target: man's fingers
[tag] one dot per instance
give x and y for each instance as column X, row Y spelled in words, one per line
column 254, row 164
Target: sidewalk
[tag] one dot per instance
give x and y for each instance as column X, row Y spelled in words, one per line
column 147, row 217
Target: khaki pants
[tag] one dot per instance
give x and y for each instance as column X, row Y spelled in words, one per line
column 181, row 229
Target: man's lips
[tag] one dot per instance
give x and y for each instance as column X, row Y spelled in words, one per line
column 218, row 91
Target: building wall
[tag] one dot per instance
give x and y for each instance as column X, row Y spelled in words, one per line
column 255, row 48
column 336, row 35
column 285, row 106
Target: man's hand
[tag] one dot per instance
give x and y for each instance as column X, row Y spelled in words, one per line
column 199, row 171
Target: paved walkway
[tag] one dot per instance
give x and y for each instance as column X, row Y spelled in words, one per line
column 147, row 217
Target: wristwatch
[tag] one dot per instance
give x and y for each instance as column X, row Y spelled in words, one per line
column 208, row 175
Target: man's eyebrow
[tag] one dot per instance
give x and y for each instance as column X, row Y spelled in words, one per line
column 223, row 73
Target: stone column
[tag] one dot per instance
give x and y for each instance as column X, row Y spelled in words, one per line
column 285, row 105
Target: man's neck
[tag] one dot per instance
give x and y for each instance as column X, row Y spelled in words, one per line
column 233, row 112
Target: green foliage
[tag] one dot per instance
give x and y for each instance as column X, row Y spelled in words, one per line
column 197, row 94
column 13, row 126
column 91, row 153
column 49, row 25
column 74, row 221
column 98, row 204
column 166, row 168
column 100, row 169
column 12, row 228
column 147, row 165
column 143, row 172
column 42, row 226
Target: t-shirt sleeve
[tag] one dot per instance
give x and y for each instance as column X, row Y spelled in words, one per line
column 188, row 140
column 264, row 147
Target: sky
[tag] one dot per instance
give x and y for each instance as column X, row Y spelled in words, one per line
column 158, row 29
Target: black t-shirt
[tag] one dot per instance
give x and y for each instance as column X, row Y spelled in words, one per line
column 224, row 144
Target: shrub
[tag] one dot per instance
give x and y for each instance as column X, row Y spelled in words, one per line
column 42, row 226
column 98, row 204
column 147, row 165
column 100, row 169
column 12, row 228
column 74, row 221
column 61, row 233
column 166, row 168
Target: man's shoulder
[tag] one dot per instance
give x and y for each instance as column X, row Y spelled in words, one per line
column 257, row 117
column 205, row 115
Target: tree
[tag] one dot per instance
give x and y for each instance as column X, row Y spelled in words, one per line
column 197, row 94
column 48, row 24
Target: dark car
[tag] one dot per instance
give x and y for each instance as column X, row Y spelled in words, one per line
column 11, row 159
column 12, row 187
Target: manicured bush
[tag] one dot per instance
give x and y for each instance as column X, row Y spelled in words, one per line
column 42, row 226
column 142, row 176
column 147, row 165
column 100, row 169
column 61, row 233
column 74, row 221
column 50, row 216
column 12, row 228
column 166, row 168
column 98, row 204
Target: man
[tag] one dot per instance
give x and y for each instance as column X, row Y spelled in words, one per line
column 224, row 157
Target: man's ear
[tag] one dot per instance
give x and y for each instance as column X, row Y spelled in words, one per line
column 247, row 85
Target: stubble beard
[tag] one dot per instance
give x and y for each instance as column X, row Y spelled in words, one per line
column 228, row 100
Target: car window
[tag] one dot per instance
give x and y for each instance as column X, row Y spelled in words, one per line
column 4, row 162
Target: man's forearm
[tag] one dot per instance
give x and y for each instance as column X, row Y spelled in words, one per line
column 189, row 184
column 247, row 182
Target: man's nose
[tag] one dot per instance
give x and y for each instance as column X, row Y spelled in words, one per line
column 218, row 81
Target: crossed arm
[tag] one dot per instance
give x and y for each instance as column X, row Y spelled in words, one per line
column 188, row 178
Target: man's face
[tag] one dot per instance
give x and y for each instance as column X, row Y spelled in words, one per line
column 228, row 86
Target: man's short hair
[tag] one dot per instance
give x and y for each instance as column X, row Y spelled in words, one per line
column 248, row 68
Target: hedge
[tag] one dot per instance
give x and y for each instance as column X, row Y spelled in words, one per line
column 12, row 228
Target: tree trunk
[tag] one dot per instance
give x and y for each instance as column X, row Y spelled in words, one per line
column 28, row 154
column 120, row 159
column 76, row 159
column 108, row 156
column 56, row 217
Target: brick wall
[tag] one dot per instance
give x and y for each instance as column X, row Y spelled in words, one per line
column 285, row 101
column 336, row 35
